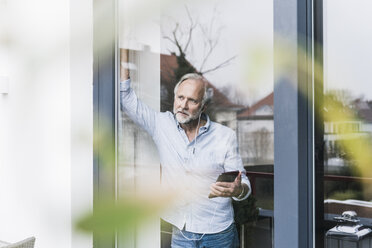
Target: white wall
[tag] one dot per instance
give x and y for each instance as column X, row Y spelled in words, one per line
column 45, row 122
column 81, row 81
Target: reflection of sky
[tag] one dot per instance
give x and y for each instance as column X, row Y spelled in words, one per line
column 348, row 46
column 245, row 26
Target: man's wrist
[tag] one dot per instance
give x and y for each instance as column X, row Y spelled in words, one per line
column 125, row 85
column 241, row 194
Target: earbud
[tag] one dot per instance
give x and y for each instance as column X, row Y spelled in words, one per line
column 196, row 134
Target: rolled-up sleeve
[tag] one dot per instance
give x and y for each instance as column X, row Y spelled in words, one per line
column 138, row 111
column 234, row 162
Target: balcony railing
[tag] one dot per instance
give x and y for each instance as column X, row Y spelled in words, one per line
column 253, row 175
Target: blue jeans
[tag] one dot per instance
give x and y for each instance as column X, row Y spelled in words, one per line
column 228, row 238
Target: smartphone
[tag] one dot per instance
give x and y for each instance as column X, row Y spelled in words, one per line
column 228, row 177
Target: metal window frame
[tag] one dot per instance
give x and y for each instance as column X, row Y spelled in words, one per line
column 298, row 184
column 104, row 108
column 319, row 128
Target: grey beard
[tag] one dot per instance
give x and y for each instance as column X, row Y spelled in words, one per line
column 192, row 118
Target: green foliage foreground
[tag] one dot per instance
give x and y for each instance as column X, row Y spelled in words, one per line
column 123, row 215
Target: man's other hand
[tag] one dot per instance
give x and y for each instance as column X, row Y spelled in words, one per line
column 224, row 189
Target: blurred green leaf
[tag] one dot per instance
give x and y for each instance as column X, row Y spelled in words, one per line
column 124, row 215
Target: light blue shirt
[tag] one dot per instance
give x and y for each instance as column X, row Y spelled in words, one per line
column 192, row 166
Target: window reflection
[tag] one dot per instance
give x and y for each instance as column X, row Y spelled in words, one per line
column 218, row 40
column 347, row 113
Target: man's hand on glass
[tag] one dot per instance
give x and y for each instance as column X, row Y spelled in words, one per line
column 124, row 67
column 225, row 189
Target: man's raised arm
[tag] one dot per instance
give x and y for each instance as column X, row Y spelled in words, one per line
column 139, row 112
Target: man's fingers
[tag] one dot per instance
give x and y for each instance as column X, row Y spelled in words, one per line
column 221, row 190
column 215, row 192
column 217, row 188
column 224, row 184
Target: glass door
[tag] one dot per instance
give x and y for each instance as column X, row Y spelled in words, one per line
column 347, row 112
column 228, row 43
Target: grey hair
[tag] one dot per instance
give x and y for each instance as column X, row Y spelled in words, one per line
column 208, row 92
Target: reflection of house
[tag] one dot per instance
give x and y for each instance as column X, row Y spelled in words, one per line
column 221, row 109
column 256, row 132
column 355, row 127
column 364, row 110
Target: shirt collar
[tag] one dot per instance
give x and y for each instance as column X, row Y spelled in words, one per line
column 207, row 124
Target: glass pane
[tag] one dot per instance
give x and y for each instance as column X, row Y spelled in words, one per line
column 347, row 117
column 221, row 41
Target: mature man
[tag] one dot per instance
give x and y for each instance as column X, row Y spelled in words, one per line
column 193, row 152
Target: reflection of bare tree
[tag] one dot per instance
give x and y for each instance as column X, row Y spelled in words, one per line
column 182, row 38
column 342, row 96
column 234, row 95
column 258, row 145
column 182, row 35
